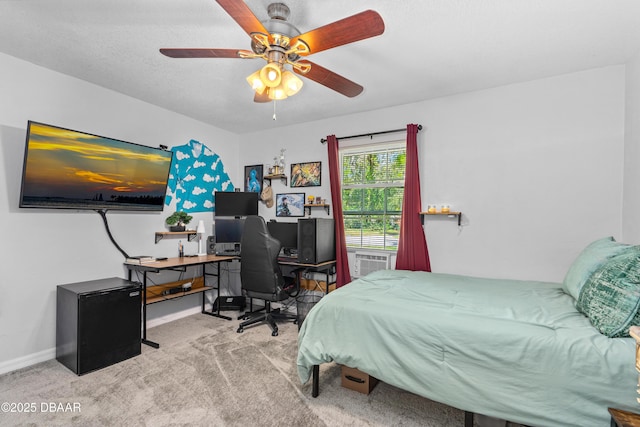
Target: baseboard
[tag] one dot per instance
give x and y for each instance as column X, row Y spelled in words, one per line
column 44, row 355
column 28, row 360
column 175, row 316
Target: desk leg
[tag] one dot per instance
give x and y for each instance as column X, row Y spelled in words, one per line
column 327, row 271
column 217, row 312
column 144, row 313
column 315, row 387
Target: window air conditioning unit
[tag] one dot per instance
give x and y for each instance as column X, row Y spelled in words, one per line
column 368, row 262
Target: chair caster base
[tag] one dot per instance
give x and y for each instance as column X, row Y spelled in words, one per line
column 240, row 330
column 274, row 333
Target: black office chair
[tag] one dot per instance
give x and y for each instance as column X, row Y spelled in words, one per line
column 260, row 273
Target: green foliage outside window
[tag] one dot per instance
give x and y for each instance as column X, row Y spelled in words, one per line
column 372, row 193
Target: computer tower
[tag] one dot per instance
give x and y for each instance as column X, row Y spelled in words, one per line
column 98, row 323
column 316, row 240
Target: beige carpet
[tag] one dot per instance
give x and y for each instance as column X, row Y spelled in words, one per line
column 206, row 374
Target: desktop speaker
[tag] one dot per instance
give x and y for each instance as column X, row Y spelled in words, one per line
column 316, row 240
column 211, row 245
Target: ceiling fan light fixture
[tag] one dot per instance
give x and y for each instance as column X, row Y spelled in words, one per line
column 279, row 42
column 277, row 93
column 271, row 74
column 256, row 82
column 291, row 83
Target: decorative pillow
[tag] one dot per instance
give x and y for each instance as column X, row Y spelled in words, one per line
column 592, row 257
column 611, row 296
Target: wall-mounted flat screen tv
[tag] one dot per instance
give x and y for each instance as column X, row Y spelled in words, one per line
column 68, row 169
column 236, row 203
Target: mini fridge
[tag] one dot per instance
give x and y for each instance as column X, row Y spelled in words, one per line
column 98, row 323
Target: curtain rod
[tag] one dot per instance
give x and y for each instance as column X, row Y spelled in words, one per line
column 323, row 140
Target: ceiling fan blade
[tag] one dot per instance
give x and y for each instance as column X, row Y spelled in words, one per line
column 264, row 97
column 330, row 79
column 348, row 30
column 241, row 13
column 200, row 53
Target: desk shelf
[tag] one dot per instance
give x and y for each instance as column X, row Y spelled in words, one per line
column 447, row 214
column 191, row 234
column 280, row 176
column 154, row 293
column 308, row 206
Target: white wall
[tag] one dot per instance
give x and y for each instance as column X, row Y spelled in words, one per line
column 44, row 248
column 536, row 169
column 631, row 211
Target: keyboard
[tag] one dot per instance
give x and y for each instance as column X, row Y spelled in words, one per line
column 228, row 253
column 284, row 258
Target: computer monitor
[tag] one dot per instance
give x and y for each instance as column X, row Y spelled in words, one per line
column 287, row 233
column 235, row 203
column 229, row 230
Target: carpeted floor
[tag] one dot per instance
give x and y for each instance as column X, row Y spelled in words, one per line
column 206, row 374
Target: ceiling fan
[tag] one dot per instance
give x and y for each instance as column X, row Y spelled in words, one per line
column 280, row 43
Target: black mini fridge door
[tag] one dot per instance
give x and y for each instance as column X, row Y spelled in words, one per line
column 98, row 323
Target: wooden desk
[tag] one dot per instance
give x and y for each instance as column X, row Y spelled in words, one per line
column 179, row 264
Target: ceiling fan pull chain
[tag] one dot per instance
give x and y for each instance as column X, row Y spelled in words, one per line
column 274, row 110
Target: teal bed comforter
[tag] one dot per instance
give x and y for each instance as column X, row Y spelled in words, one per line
column 517, row 350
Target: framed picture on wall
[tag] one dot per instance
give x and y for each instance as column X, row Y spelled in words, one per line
column 253, row 178
column 290, row 204
column 306, row 174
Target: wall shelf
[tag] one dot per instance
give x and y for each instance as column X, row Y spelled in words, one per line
column 308, row 206
column 191, row 234
column 281, row 176
column 447, row 214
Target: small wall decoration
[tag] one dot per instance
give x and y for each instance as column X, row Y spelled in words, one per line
column 253, row 178
column 290, row 204
column 306, row 174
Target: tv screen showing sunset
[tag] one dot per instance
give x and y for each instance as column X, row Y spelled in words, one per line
column 70, row 169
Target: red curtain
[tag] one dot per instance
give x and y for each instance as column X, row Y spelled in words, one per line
column 412, row 244
column 343, row 276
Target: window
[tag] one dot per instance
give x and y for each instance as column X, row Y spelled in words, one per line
column 372, row 192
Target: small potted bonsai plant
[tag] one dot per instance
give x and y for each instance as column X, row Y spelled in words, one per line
column 178, row 220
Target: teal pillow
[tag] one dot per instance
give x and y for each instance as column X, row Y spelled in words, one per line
column 592, row 257
column 611, row 296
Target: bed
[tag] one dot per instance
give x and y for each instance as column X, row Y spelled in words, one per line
column 517, row 350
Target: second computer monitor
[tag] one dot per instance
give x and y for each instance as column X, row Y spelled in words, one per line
column 229, row 230
column 286, row 233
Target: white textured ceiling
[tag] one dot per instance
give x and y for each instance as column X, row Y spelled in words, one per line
column 430, row 48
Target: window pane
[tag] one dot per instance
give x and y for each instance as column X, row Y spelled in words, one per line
column 394, row 199
column 353, row 230
column 369, row 167
column 374, row 200
column 373, row 232
column 352, row 169
column 392, row 232
column 352, row 200
column 397, row 161
column 375, row 168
